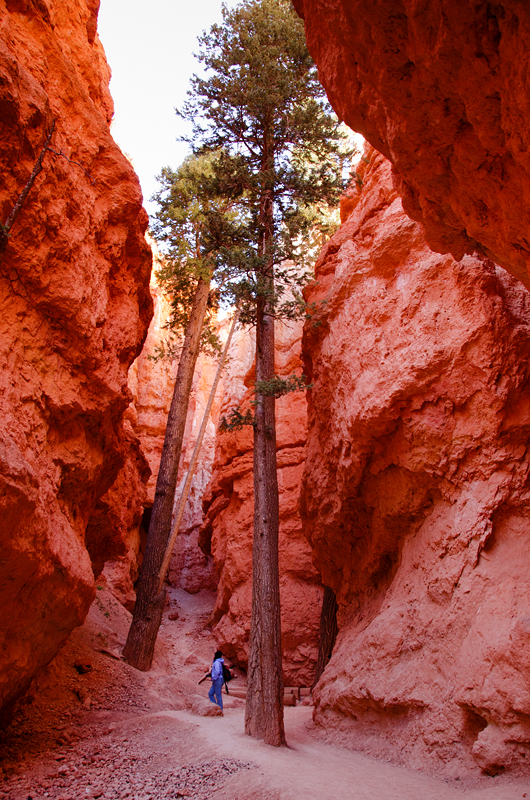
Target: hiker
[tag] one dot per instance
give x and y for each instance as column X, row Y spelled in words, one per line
column 217, row 679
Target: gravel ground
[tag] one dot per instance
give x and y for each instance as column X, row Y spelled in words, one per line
column 113, row 776
column 93, row 727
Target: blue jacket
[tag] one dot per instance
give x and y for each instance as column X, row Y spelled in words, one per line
column 217, row 669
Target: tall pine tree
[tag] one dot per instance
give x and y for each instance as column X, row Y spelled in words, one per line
column 192, row 223
column 261, row 104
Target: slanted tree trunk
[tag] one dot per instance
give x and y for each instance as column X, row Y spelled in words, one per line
column 328, row 631
column 183, row 499
column 147, row 615
column 264, row 706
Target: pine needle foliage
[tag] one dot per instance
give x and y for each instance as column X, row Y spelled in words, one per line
column 261, row 107
column 189, row 230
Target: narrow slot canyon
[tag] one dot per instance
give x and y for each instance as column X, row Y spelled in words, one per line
column 403, row 465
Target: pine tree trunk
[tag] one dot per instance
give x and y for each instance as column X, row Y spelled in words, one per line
column 181, row 507
column 328, row 631
column 150, row 601
column 264, row 707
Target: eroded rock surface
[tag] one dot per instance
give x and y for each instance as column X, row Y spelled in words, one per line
column 416, row 491
column 118, row 517
column 74, row 310
column 440, row 88
column 229, row 507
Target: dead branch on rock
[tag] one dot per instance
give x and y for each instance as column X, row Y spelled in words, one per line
column 6, row 227
column 60, row 153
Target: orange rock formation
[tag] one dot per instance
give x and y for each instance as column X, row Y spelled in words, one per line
column 229, row 507
column 416, row 490
column 75, row 307
column 440, row 88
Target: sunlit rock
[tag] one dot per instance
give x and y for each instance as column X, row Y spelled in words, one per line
column 74, row 311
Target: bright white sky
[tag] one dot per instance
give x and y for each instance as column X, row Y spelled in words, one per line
column 149, row 46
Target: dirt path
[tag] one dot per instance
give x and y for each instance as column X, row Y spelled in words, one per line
column 96, row 728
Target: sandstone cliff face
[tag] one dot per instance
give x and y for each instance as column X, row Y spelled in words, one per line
column 416, row 490
column 75, row 306
column 440, row 88
column 115, row 524
column 229, row 507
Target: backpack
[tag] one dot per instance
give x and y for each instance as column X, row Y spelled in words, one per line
column 227, row 675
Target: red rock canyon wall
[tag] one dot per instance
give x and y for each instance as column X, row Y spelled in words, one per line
column 440, row 88
column 416, row 490
column 75, row 306
column 229, row 507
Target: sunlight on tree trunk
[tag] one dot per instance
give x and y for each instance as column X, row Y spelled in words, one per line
column 181, row 507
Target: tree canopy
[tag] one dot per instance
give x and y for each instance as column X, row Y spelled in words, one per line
column 261, row 108
column 190, row 223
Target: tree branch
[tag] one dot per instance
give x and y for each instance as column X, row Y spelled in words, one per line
column 27, row 188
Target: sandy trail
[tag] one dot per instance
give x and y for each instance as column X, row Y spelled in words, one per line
column 313, row 770
column 118, row 734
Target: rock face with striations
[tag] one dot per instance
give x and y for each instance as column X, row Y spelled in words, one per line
column 416, row 491
column 440, row 88
column 229, row 507
column 75, row 306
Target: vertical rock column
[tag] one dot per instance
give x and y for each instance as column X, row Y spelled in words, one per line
column 416, row 492
column 74, row 311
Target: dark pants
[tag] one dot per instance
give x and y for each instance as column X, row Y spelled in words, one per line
column 216, row 689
